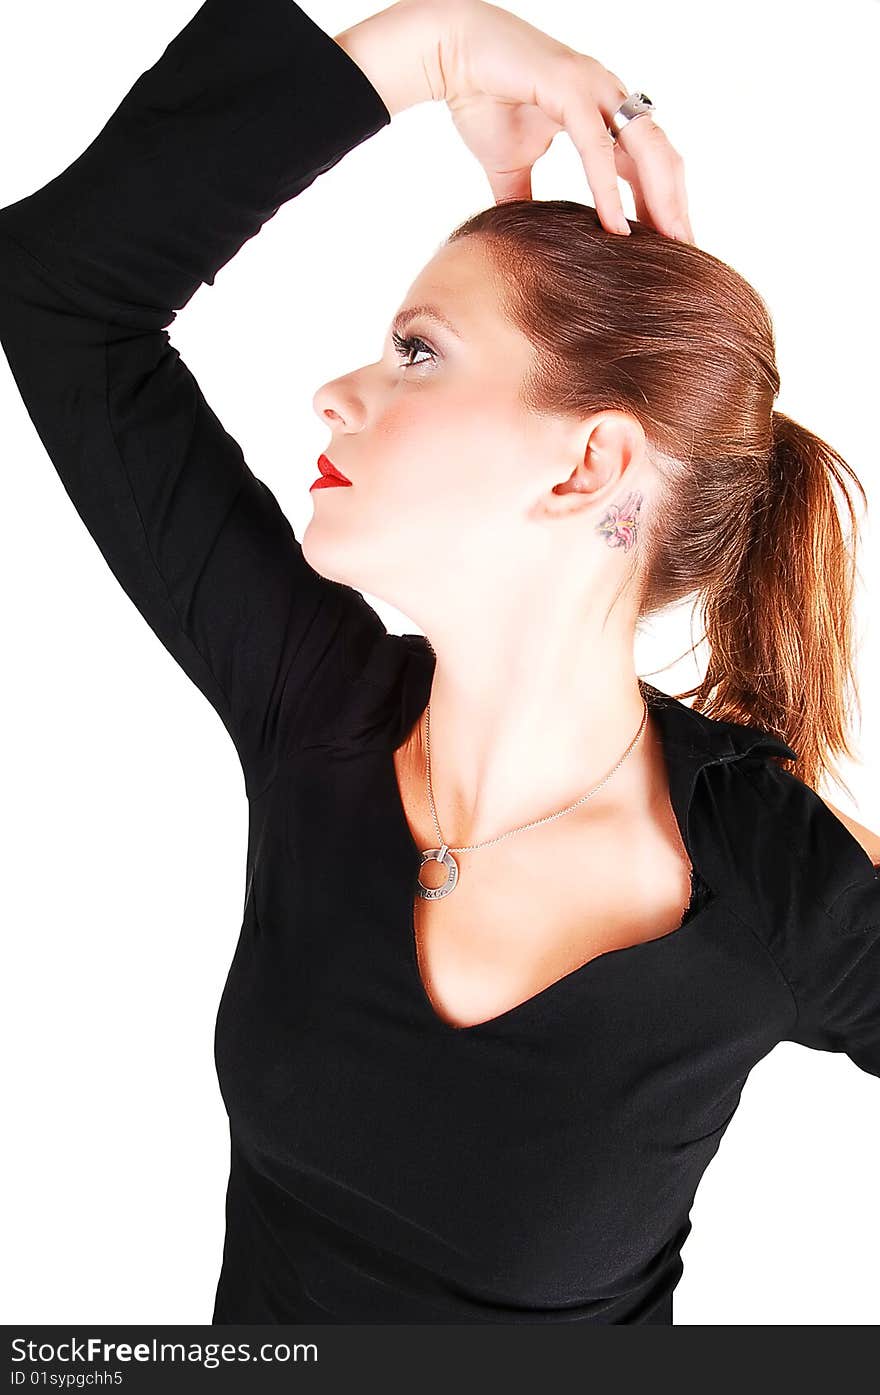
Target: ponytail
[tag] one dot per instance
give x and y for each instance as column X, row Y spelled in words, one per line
column 779, row 620
column 745, row 521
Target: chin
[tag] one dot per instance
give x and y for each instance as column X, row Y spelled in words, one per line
column 334, row 554
column 313, row 549
column 325, row 554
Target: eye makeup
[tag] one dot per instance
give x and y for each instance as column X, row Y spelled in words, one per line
column 408, row 344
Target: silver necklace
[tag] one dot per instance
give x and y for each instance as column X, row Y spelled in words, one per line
column 444, row 853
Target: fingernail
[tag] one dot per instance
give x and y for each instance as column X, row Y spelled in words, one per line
column 623, row 226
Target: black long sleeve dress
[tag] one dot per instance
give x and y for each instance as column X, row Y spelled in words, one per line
column 385, row 1165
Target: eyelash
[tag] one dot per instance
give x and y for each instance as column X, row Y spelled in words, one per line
column 405, row 345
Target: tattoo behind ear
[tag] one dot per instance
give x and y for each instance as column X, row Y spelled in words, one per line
column 618, row 527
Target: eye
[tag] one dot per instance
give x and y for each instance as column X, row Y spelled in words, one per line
column 409, row 344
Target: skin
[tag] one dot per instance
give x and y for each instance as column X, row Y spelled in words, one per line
column 510, row 89
column 506, row 537
column 510, row 539
column 516, row 568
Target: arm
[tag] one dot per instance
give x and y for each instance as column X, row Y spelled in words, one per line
column 383, row 46
column 834, row 959
column 241, row 112
column 821, row 896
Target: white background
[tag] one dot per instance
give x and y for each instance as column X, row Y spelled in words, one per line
column 124, row 803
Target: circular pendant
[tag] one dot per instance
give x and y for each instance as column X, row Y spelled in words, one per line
column 432, row 893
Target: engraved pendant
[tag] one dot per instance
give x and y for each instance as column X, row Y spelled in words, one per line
column 432, row 893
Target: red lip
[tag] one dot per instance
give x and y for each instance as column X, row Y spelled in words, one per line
column 329, row 476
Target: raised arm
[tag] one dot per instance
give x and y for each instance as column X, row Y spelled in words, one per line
column 243, row 110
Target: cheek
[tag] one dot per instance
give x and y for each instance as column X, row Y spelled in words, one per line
column 412, row 446
column 466, row 442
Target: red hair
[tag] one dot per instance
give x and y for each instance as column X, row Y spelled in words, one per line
column 747, row 522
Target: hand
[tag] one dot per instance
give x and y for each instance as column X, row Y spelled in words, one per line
column 511, row 89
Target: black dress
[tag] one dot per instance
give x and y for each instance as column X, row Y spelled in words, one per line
column 387, row 1167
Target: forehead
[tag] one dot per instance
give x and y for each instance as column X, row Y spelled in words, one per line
column 461, row 282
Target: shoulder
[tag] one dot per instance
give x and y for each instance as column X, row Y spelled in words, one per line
column 806, row 883
column 866, row 837
column 790, row 854
column 824, row 933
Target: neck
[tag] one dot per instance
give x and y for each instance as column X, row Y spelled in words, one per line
column 523, row 723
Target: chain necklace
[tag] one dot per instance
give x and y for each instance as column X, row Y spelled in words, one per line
column 444, row 853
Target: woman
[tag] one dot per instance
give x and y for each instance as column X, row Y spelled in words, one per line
column 517, row 925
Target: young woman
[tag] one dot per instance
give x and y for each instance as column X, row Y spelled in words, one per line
column 517, row 924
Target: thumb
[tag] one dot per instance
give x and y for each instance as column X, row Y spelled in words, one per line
column 510, row 184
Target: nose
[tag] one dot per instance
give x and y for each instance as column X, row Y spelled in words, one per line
column 338, row 406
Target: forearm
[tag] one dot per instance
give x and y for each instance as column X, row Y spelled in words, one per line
column 245, row 107
column 398, row 50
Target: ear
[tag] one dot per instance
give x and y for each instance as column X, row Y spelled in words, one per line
column 604, row 449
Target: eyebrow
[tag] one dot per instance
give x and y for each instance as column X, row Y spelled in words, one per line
column 427, row 312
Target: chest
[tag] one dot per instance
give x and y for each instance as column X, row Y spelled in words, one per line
column 534, row 908
column 510, row 1149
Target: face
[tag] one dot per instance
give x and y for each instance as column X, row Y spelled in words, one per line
column 431, row 437
column 452, row 477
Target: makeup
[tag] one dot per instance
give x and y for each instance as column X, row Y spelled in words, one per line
column 329, row 476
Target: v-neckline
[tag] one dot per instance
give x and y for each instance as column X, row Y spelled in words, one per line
column 702, row 893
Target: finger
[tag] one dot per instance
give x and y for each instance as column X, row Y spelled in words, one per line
column 645, row 158
column 660, row 172
column 510, row 184
column 582, row 93
column 683, row 203
column 628, row 171
column 587, row 129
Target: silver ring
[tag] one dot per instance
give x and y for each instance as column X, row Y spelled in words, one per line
column 637, row 104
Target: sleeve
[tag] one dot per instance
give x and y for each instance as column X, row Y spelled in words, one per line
column 821, row 894
column 247, row 105
column 836, row 976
